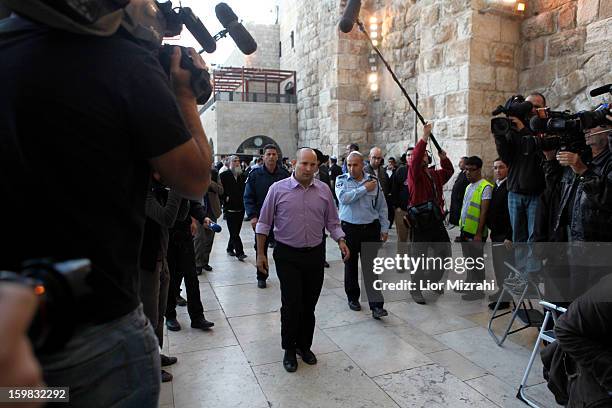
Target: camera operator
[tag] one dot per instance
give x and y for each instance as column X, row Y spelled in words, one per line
column 83, row 118
column 525, row 177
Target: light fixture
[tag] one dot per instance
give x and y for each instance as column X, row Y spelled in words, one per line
column 373, row 27
column 509, row 8
column 373, row 20
column 520, row 7
column 374, row 34
column 372, row 78
column 375, row 42
column 374, row 87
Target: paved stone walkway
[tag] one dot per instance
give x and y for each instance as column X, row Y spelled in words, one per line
column 438, row 355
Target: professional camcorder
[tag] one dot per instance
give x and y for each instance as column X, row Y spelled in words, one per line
column 60, row 287
column 516, row 107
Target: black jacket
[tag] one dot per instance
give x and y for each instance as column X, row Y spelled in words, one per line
column 585, row 334
column 591, row 210
column 498, row 216
column 400, row 196
column 518, row 151
column 233, row 191
column 461, row 183
column 257, row 185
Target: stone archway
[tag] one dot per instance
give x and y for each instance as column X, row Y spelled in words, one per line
column 254, row 145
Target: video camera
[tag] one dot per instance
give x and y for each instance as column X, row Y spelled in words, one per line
column 60, row 287
column 516, row 107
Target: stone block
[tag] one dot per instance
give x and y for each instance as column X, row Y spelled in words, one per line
column 345, row 92
column 502, row 55
column 538, row 77
column 445, row 32
column 431, row 59
column 510, row 31
column 413, row 13
column 566, row 65
column 506, row 79
column 464, row 25
column 605, row 9
column 533, row 52
column 571, row 84
column 457, row 103
column 457, row 53
column 486, row 27
column 430, row 15
column 598, row 34
column 482, row 77
column 567, row 42
column 567, row 17
column 394, row 40
column 452, row 7
column 480, row 52
column 350, row 122
column 587, row 11
column 457, row 128
column 357, row 108
column 597, row 67
column 540, row 25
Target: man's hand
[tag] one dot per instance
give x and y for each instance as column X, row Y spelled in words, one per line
column 508, row 244
column 370, row 185
column 254, row 222
column 572, row 160
column 262, row 264
column 477, row 237
column 18, row 366
column 208, row 221
column 384, row 236
column 346, row 254
column 181, row 78
column 550, row 154
column 517, row 122
column 427, row 131
column 194, row 227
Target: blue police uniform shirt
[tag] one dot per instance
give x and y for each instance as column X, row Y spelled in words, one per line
column 357, row 205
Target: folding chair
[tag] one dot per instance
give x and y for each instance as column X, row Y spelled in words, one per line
column 545, row 334
column 522, row 288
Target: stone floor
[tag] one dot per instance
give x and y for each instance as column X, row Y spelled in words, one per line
column 438, row 355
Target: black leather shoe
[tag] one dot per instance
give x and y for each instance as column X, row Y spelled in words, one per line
column 173, row 324
column 326, row 264
column 502, row 305
column 199, row 270
column 167, row 361
column 201, row 323
column 307, row 356
column 261, row 284
column 241, row 257
column 379, row 312
column 290, row 361
column 180, row 301
column 207, row 268
column 354, row 305
column 165, row 376
column 231, row 253
column 417, row 296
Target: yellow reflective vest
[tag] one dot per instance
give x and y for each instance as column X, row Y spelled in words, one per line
column 472, row 218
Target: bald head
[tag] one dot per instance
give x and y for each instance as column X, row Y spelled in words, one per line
column 355, row 165
column 376, row 157
column 305, row 166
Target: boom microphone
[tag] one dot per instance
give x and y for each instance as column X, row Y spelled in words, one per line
column 240, row 35
column 601, row 90
column 350, row 16
column 198, row 30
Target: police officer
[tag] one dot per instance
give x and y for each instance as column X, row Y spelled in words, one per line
column 364, row 218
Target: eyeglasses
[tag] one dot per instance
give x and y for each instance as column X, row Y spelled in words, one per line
column 470, row 170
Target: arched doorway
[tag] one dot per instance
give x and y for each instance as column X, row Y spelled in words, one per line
column 254, row 145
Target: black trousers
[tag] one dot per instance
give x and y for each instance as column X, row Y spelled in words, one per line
column 472, row 249
column 436, row 239
column 300, row 273
column 234, row 224
column 269, row 239
column 355, row 236
column 181, row 264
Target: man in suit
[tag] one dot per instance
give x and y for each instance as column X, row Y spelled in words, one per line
column 203, row 241
column 461, row 183
column 498, row 221
column 233, row 182
column 376, row 168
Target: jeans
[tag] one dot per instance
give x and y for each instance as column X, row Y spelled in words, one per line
column 522, row 210
column 115, row 364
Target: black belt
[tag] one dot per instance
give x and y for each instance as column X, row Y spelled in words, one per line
column 374, row 223
column 303, row 249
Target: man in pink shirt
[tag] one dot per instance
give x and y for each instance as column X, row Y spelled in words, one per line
column 299, row 207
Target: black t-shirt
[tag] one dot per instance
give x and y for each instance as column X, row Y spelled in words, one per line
column 79, row 117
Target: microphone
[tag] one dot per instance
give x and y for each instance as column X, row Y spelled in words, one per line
column 240, row 35
column 351, row 13
column 601, row 90
column 197, row 29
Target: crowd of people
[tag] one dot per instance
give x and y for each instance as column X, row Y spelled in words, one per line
column 128, row 182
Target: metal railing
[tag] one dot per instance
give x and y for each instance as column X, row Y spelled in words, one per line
column 248, row 97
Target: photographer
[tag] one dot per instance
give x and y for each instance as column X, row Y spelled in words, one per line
column 83, row 119
column 525, row 177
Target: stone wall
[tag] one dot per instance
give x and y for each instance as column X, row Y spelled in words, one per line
column 224, row 124
column 567, row 50
column 266, row 56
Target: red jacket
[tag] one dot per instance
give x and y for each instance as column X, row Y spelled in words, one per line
column 419, row 185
